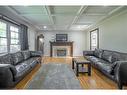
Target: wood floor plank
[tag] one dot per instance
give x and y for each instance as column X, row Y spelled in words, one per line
column 96, row 81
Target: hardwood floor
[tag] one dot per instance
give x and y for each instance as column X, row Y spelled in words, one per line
column 96, row 81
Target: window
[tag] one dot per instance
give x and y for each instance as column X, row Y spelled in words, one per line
column 9, row 37
column 94, row 41
column 15, row 43
column 3, row 37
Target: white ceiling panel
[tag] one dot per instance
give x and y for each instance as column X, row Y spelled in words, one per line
column 63, row 20
column 99, row 9
column 30, row 9
column 60, row 27
column 64, row 9
column 89, row 18
column 38, row 19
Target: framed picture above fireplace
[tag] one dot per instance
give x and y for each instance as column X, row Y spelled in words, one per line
column 62, row 37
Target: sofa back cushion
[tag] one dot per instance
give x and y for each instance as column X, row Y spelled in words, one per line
column 26, row 54
column 17, row 57
column 107, row 55
column 117, row 56
column 6, row 59
column 98, row 53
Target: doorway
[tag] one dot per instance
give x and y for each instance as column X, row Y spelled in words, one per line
column 40, row 42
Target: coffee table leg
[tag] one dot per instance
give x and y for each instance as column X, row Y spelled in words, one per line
column 89, row 69
column 82, row 65
column 77, row 71
column 72, row 63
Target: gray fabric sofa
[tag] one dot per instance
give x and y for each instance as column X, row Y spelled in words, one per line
column 110, row 63
column 15, row 66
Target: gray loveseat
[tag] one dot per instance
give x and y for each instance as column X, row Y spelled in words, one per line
column 111, row 63
column 15, row 66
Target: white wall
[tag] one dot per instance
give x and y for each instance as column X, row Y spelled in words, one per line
column 112, row 33
column 77, row 36
column 31, row 39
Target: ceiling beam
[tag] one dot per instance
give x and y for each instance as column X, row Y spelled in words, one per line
column 79, row 13
column 95, row 14
column 49, row 14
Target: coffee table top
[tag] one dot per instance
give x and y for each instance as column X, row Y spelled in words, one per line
column 81, row 60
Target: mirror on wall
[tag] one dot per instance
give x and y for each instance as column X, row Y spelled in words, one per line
column 40, row 42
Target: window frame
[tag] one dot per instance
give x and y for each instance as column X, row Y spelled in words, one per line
column 15, row 32
column 15, row 26
column 8, row 36
column 97, row 29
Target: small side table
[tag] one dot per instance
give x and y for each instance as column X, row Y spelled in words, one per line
column 80, row 69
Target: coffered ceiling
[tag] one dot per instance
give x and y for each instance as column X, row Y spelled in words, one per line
column 63, row 17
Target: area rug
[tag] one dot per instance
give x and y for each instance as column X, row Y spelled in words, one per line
column 54, row 76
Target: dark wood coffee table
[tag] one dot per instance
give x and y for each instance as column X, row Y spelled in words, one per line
column 78, row 65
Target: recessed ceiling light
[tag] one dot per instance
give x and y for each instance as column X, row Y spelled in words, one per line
column 79, row 27
column 105, row 5
column 26, row 5
column 45, row 27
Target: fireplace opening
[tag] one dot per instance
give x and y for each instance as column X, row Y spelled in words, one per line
column 61, row 52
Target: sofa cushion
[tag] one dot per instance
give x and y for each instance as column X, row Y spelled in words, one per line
column 21, row 69
column 119, row 56
column 101, row 64
column 26, row 54
column 36, row 53
column 105, row 66
column 22, row 66
column 6, row 59
column 32, row 61
column 98, row 53
column 107, row 55
column 93, row 58
column 88, row 53
column 17, row 57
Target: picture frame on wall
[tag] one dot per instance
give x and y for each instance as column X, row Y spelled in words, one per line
column 62, row 37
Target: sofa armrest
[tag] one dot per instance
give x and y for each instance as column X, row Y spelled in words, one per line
column 7, row 73
column 36, row 53
column 88, row 53
column 120, row 72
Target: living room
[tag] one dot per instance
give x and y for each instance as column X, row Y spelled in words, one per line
column 63, row 47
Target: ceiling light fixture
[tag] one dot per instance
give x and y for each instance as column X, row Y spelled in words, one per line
column 79, row 27
column 105, row 5
column 45, row 27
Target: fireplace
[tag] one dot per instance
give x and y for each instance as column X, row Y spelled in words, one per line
column 61, row 52
column 61, row 47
